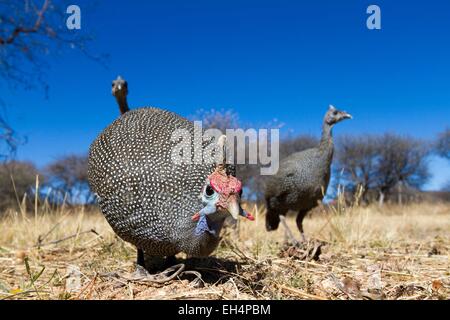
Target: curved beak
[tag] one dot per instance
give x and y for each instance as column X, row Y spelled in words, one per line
column 346, row 115
column 233, row 206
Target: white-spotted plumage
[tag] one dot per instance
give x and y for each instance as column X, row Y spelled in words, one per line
column 148, row 199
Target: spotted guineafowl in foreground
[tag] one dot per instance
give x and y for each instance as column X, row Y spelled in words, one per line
column 151, row 201
column 302, row 179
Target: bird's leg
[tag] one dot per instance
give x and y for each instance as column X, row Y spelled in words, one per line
column 140, row 271
column 170, row 261
column 299, row 221
column 140, row 258
column 288, row 232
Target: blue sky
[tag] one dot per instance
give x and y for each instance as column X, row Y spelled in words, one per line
column 265, row 59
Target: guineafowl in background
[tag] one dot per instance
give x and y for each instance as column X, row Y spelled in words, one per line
column 148, row 199
column 302, row 179
column 120, row 91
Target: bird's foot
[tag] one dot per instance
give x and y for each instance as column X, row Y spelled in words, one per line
column 198, row 281
column 142, row 275
column 306, row 251
column 304, row 239
column 291, row 240
column 294, row 242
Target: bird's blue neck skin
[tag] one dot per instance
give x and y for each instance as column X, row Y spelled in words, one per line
column 204, row 225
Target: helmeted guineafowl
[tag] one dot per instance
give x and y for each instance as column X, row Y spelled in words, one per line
column 151, row 201
column 302, row 179
column 120, row 91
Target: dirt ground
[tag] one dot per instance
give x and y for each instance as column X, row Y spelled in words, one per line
column 356, row 252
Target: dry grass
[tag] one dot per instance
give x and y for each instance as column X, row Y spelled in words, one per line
column 393, row 252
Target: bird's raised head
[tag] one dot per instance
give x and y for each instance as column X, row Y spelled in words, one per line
column 334, row 115
column 119, row 88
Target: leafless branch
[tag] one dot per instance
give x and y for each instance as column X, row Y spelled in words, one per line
column 22, row 29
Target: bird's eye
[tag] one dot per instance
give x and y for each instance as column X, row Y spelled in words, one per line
column 335, row 112
column 209, row 191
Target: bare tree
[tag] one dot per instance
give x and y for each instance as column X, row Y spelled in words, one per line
column 443, row 144
column 17, row 179
column 384, row 164
column 30, row 31
column 9, row 139
column 357, row 163
column 402, row 160
column 67, row 176
column 217, row 119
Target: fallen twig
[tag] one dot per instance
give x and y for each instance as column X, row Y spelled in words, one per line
column 66, row 238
